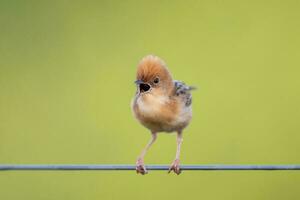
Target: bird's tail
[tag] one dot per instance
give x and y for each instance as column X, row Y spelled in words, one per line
column 190, row 88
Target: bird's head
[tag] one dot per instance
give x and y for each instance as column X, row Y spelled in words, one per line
column 153, row 76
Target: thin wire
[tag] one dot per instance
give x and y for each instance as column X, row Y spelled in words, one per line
column 149, row 167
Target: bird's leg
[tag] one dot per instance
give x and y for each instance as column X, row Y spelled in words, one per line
column 175, row 165
column 140, row 166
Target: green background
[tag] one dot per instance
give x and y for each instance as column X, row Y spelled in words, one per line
column 66, row 81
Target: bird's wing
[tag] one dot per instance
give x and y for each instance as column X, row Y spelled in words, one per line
column 182, row 90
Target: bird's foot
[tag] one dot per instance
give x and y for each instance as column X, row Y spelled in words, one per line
column 140, row 167
column 175, row 167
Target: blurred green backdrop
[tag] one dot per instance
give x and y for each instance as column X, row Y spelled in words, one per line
column 66, row 81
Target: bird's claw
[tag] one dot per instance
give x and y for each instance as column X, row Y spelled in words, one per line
column 175, row 167
column 140, row 167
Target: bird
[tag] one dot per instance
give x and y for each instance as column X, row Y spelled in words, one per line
column 160, row 104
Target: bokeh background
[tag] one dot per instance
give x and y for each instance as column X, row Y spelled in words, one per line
column 66, row 81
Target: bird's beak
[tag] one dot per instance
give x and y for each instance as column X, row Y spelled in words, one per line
column 138, row 82
column 142, row 86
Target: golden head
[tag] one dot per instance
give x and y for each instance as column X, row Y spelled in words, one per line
column 152, row 73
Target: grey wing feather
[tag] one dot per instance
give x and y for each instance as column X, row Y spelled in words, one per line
column 183, row 90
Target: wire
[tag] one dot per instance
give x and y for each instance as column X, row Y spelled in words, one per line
column 149, row 167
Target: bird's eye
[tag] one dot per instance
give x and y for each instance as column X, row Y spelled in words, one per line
column 156, row 80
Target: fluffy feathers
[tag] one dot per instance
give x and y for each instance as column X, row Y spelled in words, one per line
column 160, row 104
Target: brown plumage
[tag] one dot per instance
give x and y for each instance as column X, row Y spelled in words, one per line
column 160, row 104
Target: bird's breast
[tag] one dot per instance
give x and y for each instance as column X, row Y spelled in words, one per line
column 160, row 113
column 151, row 106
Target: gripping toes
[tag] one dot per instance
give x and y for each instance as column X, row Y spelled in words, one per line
column 175, row 167
column 140, row 167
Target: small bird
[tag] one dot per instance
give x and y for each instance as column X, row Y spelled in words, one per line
column 161, row 104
